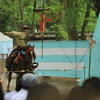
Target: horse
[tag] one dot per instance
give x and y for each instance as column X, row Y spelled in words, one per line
column 23, row 63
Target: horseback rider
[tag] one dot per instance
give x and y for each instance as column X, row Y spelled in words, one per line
column 21, row 42
column 22, row 35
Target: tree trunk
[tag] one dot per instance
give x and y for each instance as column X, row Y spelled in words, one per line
column 91, row 6
column 53, row 16
column 13, row 20
column 72, row 34
column 33, row 25
column 52, row 13
column 96, row 6
column 14, row 24
column 48, row 2
column 87, row 14
column 71, row 19
column 63, row 3
column 15, row 29
column 22, row 12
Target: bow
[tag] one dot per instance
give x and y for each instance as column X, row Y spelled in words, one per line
column 43, row 29
column 42, row 48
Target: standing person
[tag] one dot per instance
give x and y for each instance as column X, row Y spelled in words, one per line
column 75, row 94
column 8, row 95
column 44, row 91
column 20, row 43
column 28, row 81
column 91, row 89
column 1, row 89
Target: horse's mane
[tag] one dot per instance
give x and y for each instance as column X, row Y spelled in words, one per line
column 27, row 46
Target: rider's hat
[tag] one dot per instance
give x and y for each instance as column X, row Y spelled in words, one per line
column 26, row 27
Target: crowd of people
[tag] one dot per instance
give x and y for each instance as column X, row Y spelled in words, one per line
column 28, row 88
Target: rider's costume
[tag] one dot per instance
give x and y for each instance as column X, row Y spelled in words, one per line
column 19, row 36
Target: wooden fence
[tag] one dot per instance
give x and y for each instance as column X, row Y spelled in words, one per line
column 2, row 62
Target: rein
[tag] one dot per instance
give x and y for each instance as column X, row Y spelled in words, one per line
column 21, row 57
column 26, row 54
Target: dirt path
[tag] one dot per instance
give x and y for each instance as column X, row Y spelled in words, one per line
column 64, row 85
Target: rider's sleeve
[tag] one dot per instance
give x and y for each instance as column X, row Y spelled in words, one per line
column 17, row 34
column 31, row 36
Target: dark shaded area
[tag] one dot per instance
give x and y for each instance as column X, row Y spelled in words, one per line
column 97, row 6
column 91, row 89
column 4, row 16
column 44, row 91
column 75, row 94
column 1, row 93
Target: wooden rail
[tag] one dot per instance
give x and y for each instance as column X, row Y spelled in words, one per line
column 52, row 35
column 2, row 62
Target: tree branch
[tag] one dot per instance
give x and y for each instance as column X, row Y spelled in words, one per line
column 88, row 2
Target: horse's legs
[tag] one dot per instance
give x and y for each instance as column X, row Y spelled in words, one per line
column 31, row 69
column 9, row 79
column 19, row 77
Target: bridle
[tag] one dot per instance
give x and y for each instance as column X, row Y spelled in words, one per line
column 29, row 49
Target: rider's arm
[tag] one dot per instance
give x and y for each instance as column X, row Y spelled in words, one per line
column 39, row 36
column 8, row 33
column 32, row 37
column 14, row 33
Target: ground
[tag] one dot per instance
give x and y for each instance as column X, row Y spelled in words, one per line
column 63, row 84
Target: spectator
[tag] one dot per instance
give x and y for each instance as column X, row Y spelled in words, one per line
column 1, row 89
column 75, row 94
column 44, row 91
column 8, row 95
column 91, row 89
column 1, row 93
column 28, row 81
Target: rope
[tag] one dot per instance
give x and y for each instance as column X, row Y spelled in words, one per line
column 92, row 69
column 66, row 54
column 20, row 71
column 70, row 59
column 55, row 70
column 83, row 56
column 96, row 38
column 45, row 70
column 67, row 70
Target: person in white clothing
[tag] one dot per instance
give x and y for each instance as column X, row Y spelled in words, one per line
column 28, row 81
column 1, row 89
column 8, row 95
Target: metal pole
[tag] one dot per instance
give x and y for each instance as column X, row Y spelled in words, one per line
column 84, row 72
column 90, row 63
column 42, row 48
column 75, row 62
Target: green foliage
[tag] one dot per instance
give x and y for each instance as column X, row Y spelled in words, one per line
column 61, row 34
column 19, row 12
column 92, row 22
column 92, row 19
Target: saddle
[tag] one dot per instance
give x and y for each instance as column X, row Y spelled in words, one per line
column 11, row 57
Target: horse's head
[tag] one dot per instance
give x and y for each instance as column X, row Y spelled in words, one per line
column 30, row 54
